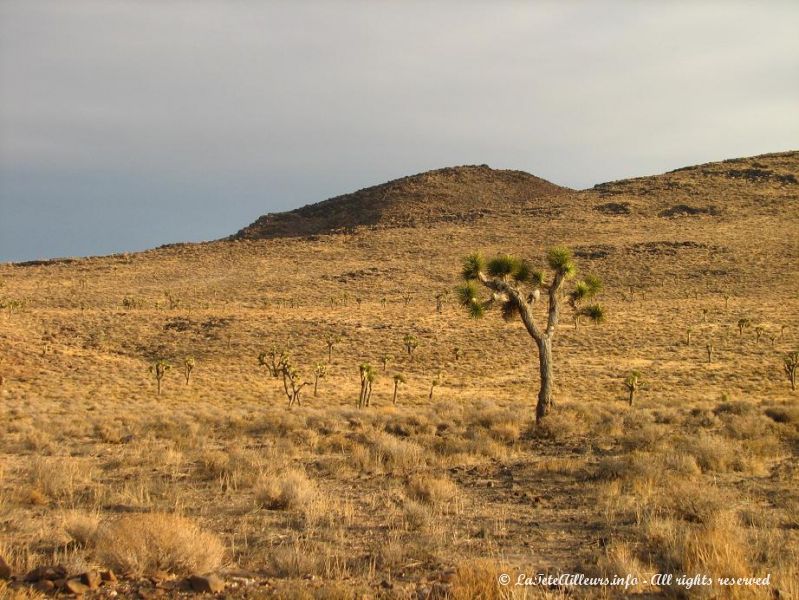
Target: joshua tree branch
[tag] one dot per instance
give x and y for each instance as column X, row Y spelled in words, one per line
column 554, row 304
column 503, row 287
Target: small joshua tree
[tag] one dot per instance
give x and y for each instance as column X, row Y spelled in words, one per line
column 709, row 347
column 704, row 315
column 790, row 363
column 434, row 384
column 411, row 343
column 688, row 332
column 726, row 301
column 188, row 366
column 743, row 323
column 440, row 297
column 758, row 334
column 385, row 359
column 457, row 353
column 782, row 330
column 292, row 383
column 407, row 299
column 515, row 286
column 159, row 369
column 633, row 383
column 273, row 360
column 319, row 372
column 331, row 340
column 367, row 379
column 398, row 379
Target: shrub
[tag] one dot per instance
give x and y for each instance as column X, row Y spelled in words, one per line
column 141, row 544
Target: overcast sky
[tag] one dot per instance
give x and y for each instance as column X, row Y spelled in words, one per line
column 125, row 125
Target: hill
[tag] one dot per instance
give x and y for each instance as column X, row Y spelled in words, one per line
column 453, row 194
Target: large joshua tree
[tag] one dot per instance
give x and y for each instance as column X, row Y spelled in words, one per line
column 516, row 287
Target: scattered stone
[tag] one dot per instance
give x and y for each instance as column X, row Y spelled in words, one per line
column 76, row 587
column 92, row 579
column 207, row 583
column 5, row 570
column 108, row 576
column 45, row 586
column 50, row 573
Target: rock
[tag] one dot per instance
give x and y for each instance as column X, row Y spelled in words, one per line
column 45, row 586
column 50, row 573
column 92, row 579
column 207, row 583
column 448, row 575
column 158, row 576
column 76, row 587
column 5, row 570
column 108, row 576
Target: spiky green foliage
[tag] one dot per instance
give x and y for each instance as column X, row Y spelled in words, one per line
column 467, row 293
column 472, row 266
column 595, row 313
column 503, row 266
column 594, row 284
column 560, row 260
column 743, row 323
column 411, row 343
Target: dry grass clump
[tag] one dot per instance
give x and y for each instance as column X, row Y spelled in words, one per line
column 619, row 560
column 81, row 527
column 416, row 515
column 394, row 455
column 59, row 478
column 434, row 491
column 141, row 544
column 477, row 580
column 285, row 491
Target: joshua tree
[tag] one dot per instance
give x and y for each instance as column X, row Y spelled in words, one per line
column 440, row 300
column 358, row 301
column 292, row 383
column 383, row 301
column 367, row 379
column 407, row 299
column 688, row 333
column 331, row 340
column 457, row 353
column 743, row 324
column 709, row 347
column 772, row 339
column 790, row 363
column 319, row 372
column 704, row 315
column 758, row 334
column 188, row 367
column 583, row 290
column 726, row 301
column 159, row 369
column 411, row 343
column 273, row 360
column 385, row 359
column 434, row 384
column 782, row 330
column 633, row 383
column 504, row 276
column 398, row 379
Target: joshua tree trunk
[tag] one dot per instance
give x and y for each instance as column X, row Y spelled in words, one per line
column 545, row 367
column 396, row 384
column 632, row 395
column 158, row 380
column 315, row 385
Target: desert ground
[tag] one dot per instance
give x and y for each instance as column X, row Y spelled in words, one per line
column 439, row 494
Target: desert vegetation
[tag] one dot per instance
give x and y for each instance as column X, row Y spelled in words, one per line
column 236, row 480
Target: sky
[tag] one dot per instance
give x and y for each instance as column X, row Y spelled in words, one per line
column 125, row 125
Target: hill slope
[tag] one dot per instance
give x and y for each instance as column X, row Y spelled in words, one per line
column 460, row 194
